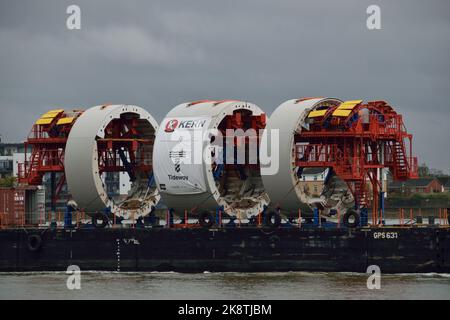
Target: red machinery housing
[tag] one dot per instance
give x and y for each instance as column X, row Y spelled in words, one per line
column 356, row 140
column 47, row 140
column 122, row 149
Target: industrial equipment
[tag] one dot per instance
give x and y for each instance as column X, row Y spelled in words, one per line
column 356, row 141
column 112, row 138
column 196, row 157
column 47, row 141
column 84, row 146
column 195, row 160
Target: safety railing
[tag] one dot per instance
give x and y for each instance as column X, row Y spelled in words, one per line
column 386, row 124
column 413, row 216
column 404, row 218
column 47, row 159
column 318, row 155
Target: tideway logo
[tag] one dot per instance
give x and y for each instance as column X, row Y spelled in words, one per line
column 183, row 178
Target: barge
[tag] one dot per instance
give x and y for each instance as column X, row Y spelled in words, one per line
column 395, row 249
column 353, row 143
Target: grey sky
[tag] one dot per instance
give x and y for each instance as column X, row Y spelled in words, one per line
column 157, row 54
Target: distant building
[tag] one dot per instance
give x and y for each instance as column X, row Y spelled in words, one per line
column 18, row 158
column 445, row 181
column 422, row 185
column 447, row 186
column 6, row 166
column 312, row 180
column 8, row 149
column 8, row 152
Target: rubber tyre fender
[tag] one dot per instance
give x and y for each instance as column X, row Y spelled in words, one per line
column 100, row 216
column 277, row 219
column 346, row 219
column 206, row 219
column 34, row 242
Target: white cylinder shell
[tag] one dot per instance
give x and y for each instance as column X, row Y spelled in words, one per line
column 81, row 161
column 208, row 197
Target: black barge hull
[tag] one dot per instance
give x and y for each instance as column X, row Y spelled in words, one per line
column 394, row 250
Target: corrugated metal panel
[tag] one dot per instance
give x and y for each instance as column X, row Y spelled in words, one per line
column 12, row 206
column 6, row 200
column 14, row 203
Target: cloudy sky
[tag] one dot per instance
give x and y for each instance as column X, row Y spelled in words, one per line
column 157, row 54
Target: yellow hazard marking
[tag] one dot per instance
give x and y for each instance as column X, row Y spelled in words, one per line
column 349, row 105
column 44, row 121
column 317, row 113
column 65, row 120
column 355, row 102
column 51, row 114
column 341, row 113
column 346, row 108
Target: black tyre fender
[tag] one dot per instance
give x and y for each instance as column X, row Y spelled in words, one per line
column 34, row 242
column 206, row 219
column 346, row 219
column 100, row 216
column 276, row 217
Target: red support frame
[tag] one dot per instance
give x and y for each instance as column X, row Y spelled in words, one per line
column 355, row 150
column 122, row 136
column 48, row 142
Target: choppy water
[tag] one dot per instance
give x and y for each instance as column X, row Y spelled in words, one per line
column 170, row 285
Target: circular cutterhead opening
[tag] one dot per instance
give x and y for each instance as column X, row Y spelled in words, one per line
column 125, row 153
column 235, row 161
column 316, row 186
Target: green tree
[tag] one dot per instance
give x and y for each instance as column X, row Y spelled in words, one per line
column 423, row 170
column 8, row 182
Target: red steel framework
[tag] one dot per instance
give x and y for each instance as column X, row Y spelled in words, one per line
column 123, row 149
column 356, row 142
column 47, row 140
column 242, row 119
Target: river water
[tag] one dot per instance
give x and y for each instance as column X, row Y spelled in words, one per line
column 171, row 285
